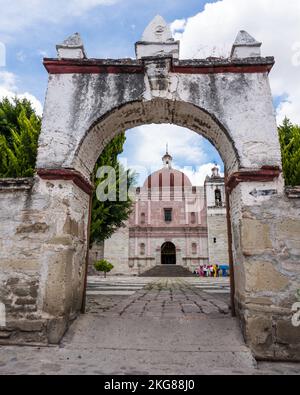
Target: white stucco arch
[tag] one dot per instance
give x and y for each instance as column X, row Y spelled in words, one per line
column 89, row 101
column 157, row 111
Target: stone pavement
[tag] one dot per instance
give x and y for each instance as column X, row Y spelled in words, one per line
column 147, row 326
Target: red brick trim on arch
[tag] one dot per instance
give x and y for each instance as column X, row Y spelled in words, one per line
column 128, row 66
column 91, row 66
column 265, row 174
column 217, row 69
column 68, row 175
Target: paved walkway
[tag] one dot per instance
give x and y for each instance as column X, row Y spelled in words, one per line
column 147, row 326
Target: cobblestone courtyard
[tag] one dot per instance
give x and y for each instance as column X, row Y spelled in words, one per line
column 147, row 326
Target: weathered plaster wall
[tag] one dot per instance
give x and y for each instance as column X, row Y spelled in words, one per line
column 116, row 251
column 266, row 247
column 42, row 257
column 19, row 262
column 241, row 103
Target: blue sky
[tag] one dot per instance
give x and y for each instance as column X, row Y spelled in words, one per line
column 30, row 29
column 108, row 31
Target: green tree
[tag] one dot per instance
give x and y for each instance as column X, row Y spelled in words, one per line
column 108, row 216
column 289, row 136
column 19, row 132
column 103, row 266
column 10, row 111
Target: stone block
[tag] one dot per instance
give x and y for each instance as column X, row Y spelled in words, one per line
column 289, row 229
column 259, row 330
column 25, row 301
column 255, row 237
column 34, row 291
column 258, row 300
column 58, row 283
column 33, row 228
column 61, row 240
column 4, row 334
column 71, row 227
column 262, row 276
column 22, row 291
column 21, row 265
column 286, row 333
column 12, row 281
column 26, row 325
column 56, row 328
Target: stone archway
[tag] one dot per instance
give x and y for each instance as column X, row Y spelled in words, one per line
column 88, row 102
column 168, row 254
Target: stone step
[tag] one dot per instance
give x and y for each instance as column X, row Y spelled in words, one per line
column 168, row 271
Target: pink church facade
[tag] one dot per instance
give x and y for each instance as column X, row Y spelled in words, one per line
column 168, row 225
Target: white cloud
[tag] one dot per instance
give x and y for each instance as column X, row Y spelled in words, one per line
column 21, row 57
column 8, row 88
column 151, row 143
column 7, row 80
column 146, row 145
column 178, row 27
column 197, row 177
column 24, row 13
column 275, row 23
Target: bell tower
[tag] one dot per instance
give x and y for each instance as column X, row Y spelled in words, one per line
column 216, row 217
column 167, row 159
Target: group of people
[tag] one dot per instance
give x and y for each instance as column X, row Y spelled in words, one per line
column 212, row 271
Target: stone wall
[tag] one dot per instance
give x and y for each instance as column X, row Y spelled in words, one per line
column 42, row 257
column 19, row 263
column 266, row 241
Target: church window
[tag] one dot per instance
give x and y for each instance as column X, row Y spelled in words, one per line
column 194, row 248
column 143, row 216
column 193, row 218
column 142, row 248
column 215, row 240
column 168, row 214
column 218, row 198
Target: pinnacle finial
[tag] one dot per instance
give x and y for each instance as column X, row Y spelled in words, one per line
column 245, row 46
column 158, row 31
column 157, row 41
column 71, row 48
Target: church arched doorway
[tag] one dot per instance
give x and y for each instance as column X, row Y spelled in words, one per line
column 168, row 254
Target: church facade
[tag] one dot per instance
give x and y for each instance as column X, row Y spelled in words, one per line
column 172, row 223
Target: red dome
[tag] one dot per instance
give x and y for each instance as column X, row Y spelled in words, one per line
column 167, row 177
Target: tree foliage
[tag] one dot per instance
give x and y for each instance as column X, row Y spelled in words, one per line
column 289, row 136
column 108, row 216
column 103, row 266
column 19, row 132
